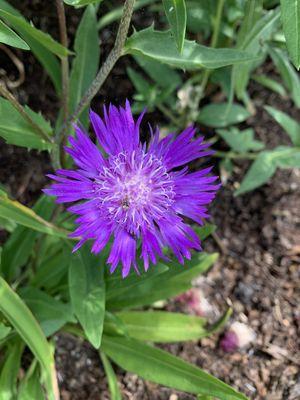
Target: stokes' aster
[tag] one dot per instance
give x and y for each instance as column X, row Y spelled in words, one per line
column 135, row 193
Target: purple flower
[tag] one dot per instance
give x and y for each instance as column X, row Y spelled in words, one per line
column 135, row 193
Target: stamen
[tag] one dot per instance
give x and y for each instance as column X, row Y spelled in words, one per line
column 134, row 189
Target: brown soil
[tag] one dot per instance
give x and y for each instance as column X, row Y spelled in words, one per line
column 257, row 273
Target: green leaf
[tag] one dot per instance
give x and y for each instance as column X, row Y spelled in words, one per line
column 18, row 314
column 265, row 166
column 287, row 157
column 115, row 393
column 204, row 231
column 160, row 46
column 81, row 3
column 290, row 15
column 6, row 225
column 219, row 115
column 18, row 247
column 11, row 209
column 199, row 17
column 86, row 61
column 53, row 267
column 176, row 14
column 87, row 292
column 251, row 40
column 8, row 36
column 16, row 130
column 115, row 285
column 162, row 326
column 30, row 387
column 162, row 74
column 241, row 141
column 52, row 314
column 43, row 38
column 177, row 279
column 148, row 94
column 291, row 126
column 287, row 72
column 163, row 368
column 4, row 331
column 270, row 83
column 10, row 371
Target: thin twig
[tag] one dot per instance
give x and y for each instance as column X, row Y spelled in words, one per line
column 14, row 102
column 64, row 60
column 65, row 77
column 107, row 66
column 18, row 64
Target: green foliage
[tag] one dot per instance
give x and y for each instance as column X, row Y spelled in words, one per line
column 18, row 131
column 266, row 164
column 160, row 46
column 13, row 210
column 87, row 293
column 111, row 377
column 240, row 141
column 288, row 74
column 254, row 32
column 176, row 13
column 86, row 61
column 161, row 284
column 4, row 331
column 44, row 287
column 161, row 326
column 19, row 246
column 222, row 114
column 81, row 3
column 8, row 36
column 30, row 386
column 290, row 14
column 51, row 313
column 9, row 370
column 291, row 126
column 161, row 367
column 46, row 40
column 20, row 317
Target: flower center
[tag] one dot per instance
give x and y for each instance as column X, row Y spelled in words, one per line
column 134, row 190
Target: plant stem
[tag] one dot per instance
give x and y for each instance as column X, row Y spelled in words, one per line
column 169, row 115
column 60, row 138
column 14, row 102
column 107, row 66
column 64, row 60
column 233, row 155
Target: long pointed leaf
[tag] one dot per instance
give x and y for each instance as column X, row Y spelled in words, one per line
column 19, row 315
column 161, row 367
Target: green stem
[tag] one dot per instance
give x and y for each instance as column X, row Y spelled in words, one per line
column 106, row 67
column 232, row 155
column 169, row 115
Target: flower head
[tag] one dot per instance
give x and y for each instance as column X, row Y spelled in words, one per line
column 136, row 193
